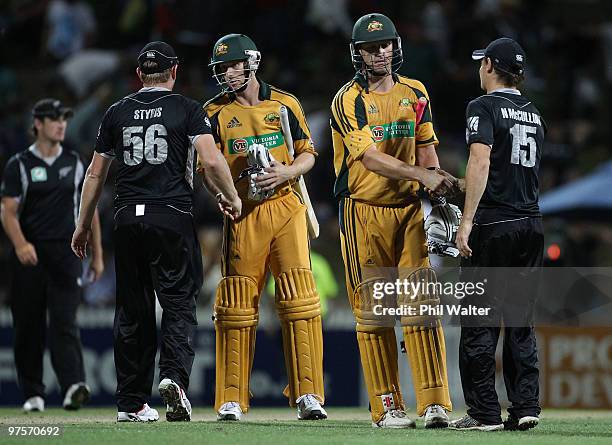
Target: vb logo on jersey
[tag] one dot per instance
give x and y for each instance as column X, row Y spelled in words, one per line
column 375, row 26
column 270, row 118
column 270, row 140
column 240, row 146
column 38, row 174
column 378, row 133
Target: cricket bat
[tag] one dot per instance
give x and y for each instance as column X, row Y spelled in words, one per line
column 300, row 186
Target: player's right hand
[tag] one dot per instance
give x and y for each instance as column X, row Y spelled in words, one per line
column 458, row 184
column 232, row 209
column 27, row 254
column 435, row 182
column 80, row 238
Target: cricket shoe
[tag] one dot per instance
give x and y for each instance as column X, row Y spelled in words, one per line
column 178, row 407
column 522, row 424
column 436, row 417
column 33, row 404
column 76, row 396
column 230, row 411
column 146, row 414
column 467, row 423
column 395, row 418
column 309, row 408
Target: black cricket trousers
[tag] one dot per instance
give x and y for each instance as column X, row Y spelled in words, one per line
column 48, row 289
column 509, row 256
column 156, row 255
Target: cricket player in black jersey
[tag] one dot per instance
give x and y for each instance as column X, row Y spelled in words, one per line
column 40, row 195
column 501, row 227
column 152, row 134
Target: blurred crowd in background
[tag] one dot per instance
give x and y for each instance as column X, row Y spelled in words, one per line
column 84, row 53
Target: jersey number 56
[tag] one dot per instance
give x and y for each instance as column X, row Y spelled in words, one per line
column 154, row 147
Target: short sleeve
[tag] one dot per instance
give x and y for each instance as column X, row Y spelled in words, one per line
column 424, row 133
column 302, row 140
column 198, row 123
column 349, row 118
column 11, row 179
column 479, row 123
column 105, row 144
column 214, row 130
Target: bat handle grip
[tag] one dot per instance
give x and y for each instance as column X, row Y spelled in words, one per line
column 419, row 108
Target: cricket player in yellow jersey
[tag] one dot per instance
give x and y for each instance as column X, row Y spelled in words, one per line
column 381, row 156
column 271, row 233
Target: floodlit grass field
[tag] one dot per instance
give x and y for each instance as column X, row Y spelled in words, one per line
column 277, row 426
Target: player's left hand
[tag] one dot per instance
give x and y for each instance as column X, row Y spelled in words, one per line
column 463, row 236
column 96, row 268
column 80, row 238
column 276, row 174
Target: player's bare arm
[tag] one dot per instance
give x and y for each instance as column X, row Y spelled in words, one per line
column 390, row 167
column 279, row 173
column 218, row 176
column 96, row 267
column 25, row 251
column 427, row 157
column 476, row 176
column 95, row 177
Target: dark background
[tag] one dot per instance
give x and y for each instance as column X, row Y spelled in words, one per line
column 84, row 52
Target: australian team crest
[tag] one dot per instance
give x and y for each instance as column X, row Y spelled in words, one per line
column 375, row 25
column 405, row 103
column 270, row 118
column 221, row 49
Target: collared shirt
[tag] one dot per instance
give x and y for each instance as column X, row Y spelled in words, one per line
column 48, row 190
column 513, row 127
column 236, row 126
column 151, row 134
column 362, row 118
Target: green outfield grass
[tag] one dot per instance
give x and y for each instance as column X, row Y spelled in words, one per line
column 277, row 426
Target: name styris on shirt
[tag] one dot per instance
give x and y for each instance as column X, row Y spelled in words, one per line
column 519, row 115
column 148, row 114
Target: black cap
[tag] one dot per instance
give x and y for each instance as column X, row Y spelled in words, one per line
column 159, row 52
column 51, row 108
column 506, row 55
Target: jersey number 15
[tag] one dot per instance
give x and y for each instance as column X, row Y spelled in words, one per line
column 154, row 147
column 520, row 138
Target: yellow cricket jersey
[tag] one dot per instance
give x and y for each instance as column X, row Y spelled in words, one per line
column 236, row 126
column 361, row 118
